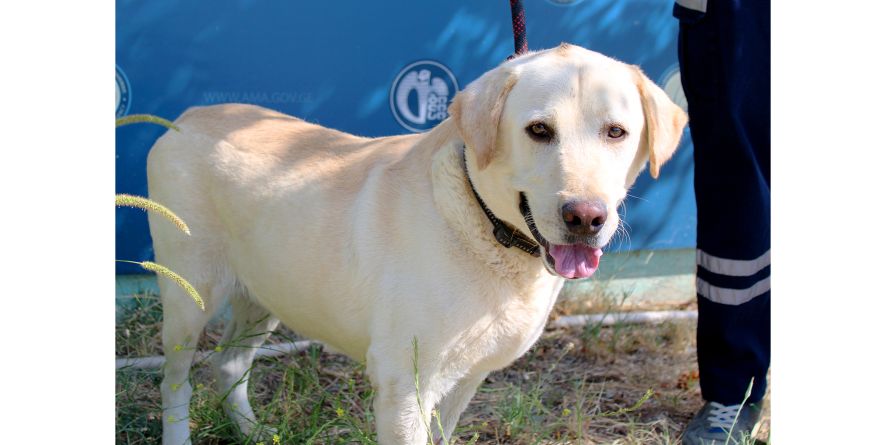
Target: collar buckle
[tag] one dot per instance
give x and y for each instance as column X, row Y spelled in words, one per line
column 504, row 234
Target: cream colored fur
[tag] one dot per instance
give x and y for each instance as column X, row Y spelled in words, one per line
column 365, row 244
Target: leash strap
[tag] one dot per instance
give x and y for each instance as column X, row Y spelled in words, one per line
column 518, row 22
column 506, row 234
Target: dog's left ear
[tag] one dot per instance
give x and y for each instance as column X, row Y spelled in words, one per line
column 664, row 122
column 476, row 111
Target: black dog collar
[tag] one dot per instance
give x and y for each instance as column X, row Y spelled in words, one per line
column 506, row 234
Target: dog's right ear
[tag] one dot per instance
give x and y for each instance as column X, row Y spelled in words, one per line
column 477, row 109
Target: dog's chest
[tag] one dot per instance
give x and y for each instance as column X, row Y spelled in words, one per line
column 514, row 326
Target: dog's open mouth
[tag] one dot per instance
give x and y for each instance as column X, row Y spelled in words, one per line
column 572, row 261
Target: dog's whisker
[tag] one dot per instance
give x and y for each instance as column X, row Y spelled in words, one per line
column 637, row 197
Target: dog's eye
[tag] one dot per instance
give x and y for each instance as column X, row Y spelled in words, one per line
column 540, row 132
column 616, row 132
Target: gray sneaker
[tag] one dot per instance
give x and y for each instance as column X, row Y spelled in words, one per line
column 712, row 423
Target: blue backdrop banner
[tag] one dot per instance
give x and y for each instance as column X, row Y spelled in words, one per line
column 373, row 69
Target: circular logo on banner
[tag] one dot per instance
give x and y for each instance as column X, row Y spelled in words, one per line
column 564, row 2
column 124, row 93
column 421, row 93
column 670, row 83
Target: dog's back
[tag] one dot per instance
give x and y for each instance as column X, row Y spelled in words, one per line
column 237, row 173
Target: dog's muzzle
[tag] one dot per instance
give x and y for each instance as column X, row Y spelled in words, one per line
column 572, row 261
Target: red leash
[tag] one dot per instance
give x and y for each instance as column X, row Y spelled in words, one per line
column 518, row 20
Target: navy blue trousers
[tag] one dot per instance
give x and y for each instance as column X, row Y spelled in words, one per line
column 724, row 67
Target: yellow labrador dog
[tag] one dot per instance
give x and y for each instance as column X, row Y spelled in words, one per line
column 366, row 244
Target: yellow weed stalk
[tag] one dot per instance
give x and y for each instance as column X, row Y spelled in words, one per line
column 145, row 118
column 151, row 206
column 161, row 270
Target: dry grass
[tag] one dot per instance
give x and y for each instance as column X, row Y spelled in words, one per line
column 567, row 389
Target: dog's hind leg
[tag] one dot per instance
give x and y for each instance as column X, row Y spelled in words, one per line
column 183, row 322
column 249, row 327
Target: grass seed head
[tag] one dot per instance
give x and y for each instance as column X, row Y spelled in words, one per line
column 145, row 118
column 161, row 270
column 145, row 204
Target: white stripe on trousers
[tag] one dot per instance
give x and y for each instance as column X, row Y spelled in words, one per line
column 697, row 5
column 732, row 268
column 728, row 296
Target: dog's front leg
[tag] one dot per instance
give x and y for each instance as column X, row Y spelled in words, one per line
column 400, row 420
column 402, row 408
column 454, row 403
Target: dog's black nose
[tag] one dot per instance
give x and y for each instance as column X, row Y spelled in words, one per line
column 584, row 217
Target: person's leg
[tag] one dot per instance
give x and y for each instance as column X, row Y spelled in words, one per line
column 724, row 65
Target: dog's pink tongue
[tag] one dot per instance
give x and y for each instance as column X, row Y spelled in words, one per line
column 575, row 260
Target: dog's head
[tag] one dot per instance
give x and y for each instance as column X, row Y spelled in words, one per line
column 568, row 130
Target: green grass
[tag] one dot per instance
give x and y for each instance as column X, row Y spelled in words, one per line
column 575, row 386
column 308, row 400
